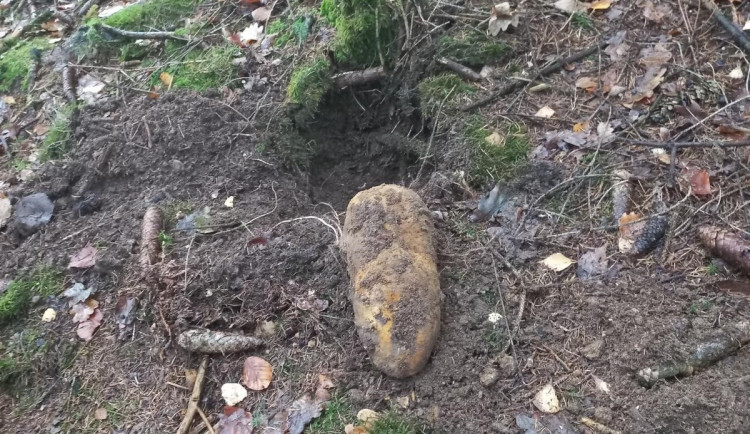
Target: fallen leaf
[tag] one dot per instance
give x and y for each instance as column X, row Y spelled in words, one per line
column 657, row 55
column 52, row 26
column 592, row 263
column 732, row 132
column 100, row 413
column 351, row 429
column 501, row 18
column 303, row 411
column 737, row 73
column 233, row 393
column 367, row 417
column 605, row 130
column 87, row 328
column 41, row 128
column 700, row 183
column 229, row 203
column 325, row 382
column 601, row 385
column 587, row 83
column 655, row 14
column 600, row 5
column 629, row 230
column 49, row 315
column 262, row 14
column 166, row 78
column 646, row 85
column 617, row 48
column 190, row 377
column 256, row 373
column 557, row 262
column 5, row 210
column 81, row 312
column 546, row 400
column 495, row 139
column 580, row 127
column 77, row 293
column 125, row 310
column 251, row 34
column 545, row 112
column 571, row 6
column 237, row 421
column 85, row 258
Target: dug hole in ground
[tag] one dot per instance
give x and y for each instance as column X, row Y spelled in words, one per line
column 182, row 167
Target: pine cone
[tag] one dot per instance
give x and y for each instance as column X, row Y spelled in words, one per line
column 729, row 246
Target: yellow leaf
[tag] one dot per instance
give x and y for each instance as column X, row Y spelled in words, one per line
column 580, row 127
column 600, row 5
column 557, row 262
column 166, row 78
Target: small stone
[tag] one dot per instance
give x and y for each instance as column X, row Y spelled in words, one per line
column 505, row 364
column 489, row 376
column 593, row 350
column 33, row 212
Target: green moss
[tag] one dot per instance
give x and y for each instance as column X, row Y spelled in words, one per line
column 582, row 21
column 365, row 30
column 309, row 83
column 15, row 301
column 434, row 90
column 15, row 63
column 204, row 69
column 472, row 49
column 133, row 51
column 152, row 14
column 55, row 143
column 491, row 162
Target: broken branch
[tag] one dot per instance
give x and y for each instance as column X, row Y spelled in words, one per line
column 354, row 78
column 728, row 25
column 654, row 144
column 192, row 407
column 518, row 84
column 705, row 354
column 464, row 71
column 137, row 35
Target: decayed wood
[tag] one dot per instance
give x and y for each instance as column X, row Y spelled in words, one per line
column 727, row 245
column 152, row 224
column 137, row 35
column 213, row 342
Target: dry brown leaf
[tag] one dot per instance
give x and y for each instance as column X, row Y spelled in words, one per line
column 599, row 5
column 87, row 328
column 502, row 17
column 557, row 262
column 580, row 127
column 100, row 413
column 646, row 85
column 41, row 128
column 81, row 312
column 657, row 55
column 732, row 132
column 262, row 14
column 700, row 183
column 257, row 373
column 85, row 258
column 166, row 78
column 588, row 83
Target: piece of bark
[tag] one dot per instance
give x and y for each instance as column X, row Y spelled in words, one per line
column 150, row 228
column 727, row 245
column 213, row 342
column 705, row 354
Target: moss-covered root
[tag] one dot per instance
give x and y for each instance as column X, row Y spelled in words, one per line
column 310, row 82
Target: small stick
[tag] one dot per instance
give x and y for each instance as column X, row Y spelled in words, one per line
column 464, row 71
column 205, row 420
column 518, row 84
column 84, row 9
column 192, row 407
column 725, row 22
column 137, row 35
column 353, row 78
column 598, row 427
column 655, row 144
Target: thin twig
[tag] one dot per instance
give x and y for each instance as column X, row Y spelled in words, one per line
column 708, row 144
column 192, row 407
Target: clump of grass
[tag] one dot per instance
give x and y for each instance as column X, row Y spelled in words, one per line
column 152, row 14
column 309, row 83
column 15, row 301
column 392, row 422
column 472, row 49
column 491, row 162
column 434, row 90
column 15, row 63
column 165, row 240
column 286, row 31
column 582, row 21
column 338, row 413
column 55, row 143
column 204, row 69
column 365, row 30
